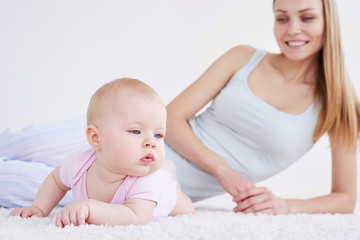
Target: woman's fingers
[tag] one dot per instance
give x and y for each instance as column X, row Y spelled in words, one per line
column 255, row 200
column 260, row 207
column 261, row 200
column 249, row 192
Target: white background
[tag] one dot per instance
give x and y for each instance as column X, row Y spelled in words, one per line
column 55, row 54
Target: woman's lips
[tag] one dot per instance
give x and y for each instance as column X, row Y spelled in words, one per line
column 296, row 43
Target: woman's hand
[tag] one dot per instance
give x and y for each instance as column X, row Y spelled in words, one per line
column 260, row 200
column 75, row 213
column 233, row 182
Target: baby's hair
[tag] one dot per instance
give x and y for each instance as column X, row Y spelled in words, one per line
column 119, row 86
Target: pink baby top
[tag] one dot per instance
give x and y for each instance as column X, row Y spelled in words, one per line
column 159, row 186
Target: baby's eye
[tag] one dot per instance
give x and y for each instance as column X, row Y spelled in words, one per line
column 159, row 135
column 135, row 132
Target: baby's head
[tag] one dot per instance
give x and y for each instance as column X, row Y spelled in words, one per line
column 126, row 126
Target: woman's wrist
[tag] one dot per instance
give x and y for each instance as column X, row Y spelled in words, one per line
column 221, row 170
column 290, row 208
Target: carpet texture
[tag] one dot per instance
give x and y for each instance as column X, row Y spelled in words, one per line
column 213, row 220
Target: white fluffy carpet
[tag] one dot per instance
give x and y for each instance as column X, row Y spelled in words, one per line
column 213, row 220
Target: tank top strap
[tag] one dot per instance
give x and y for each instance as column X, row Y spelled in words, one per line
column 255, row 60
column 241, row 75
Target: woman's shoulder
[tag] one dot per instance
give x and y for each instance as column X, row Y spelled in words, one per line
column 240, row 54
column 237, row 57
column 242, row 51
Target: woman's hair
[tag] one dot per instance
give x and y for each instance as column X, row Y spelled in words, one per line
column 340, row 112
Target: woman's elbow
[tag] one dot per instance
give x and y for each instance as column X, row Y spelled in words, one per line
column 350, row 207
column 349, row 204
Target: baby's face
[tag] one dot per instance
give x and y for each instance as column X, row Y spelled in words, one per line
column 132, row 136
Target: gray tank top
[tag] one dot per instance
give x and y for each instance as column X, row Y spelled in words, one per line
column 254, row 138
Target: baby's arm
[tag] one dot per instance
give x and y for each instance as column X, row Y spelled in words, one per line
column 133, row 211
column 51, row 191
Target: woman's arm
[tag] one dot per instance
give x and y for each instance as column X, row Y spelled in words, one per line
column 179, row 134
column 133, row 211
column 51, row 191
column 342, row 198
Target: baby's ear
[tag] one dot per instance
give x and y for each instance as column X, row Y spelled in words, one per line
column 92, row 135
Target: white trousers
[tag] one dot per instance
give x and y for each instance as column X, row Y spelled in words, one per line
column 29, row 155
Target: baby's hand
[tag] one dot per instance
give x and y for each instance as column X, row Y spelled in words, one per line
column 26, row 212
column 74, row 213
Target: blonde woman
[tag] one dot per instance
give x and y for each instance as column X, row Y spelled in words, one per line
column 267, row 110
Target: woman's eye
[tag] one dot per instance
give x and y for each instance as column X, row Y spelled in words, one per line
column 159, row 135
column 307, row 18
column 135, row 132
column 281, row 19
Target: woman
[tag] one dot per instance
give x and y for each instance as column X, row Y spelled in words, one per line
column 267, row 111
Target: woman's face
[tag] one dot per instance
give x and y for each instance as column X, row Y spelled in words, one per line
column 299, row 27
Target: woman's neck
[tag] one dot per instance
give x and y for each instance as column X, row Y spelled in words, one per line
column 305, row 71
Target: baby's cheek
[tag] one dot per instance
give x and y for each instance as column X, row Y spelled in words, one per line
column 162, row 153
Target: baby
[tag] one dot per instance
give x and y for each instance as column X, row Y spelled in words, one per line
column 124, row 179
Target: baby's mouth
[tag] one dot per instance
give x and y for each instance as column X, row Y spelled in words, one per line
column 148, row 159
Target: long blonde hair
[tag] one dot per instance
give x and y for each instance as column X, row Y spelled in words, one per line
column 340, row 111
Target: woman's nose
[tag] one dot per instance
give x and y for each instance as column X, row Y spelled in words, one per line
column 294, row 27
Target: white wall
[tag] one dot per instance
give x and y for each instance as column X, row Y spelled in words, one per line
column 54, row 54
